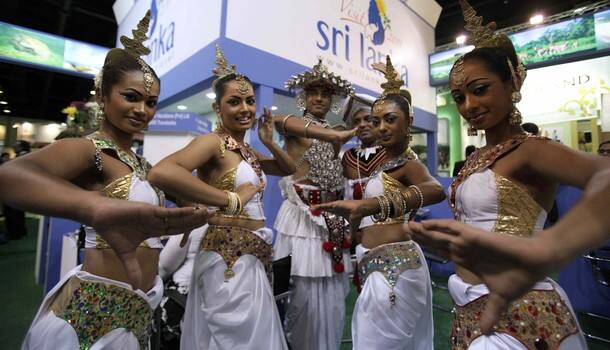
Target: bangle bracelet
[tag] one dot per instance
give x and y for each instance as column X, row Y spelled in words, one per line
column 306, row 126
column 284, row 122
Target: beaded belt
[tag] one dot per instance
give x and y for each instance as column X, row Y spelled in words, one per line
column 94, row 308
column 232, row 242
column 336, row 225
column 311, row 196
column 540, row 320
column 391, row 260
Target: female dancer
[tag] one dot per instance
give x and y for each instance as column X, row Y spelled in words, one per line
column 230, row 304
column 394, row 310
column 508, row 186
column 94, row 306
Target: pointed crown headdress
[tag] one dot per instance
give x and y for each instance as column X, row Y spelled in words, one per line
column 223, row 69
column 135, row 48
column 485, row 36
column 320, row 74
column 392, row 86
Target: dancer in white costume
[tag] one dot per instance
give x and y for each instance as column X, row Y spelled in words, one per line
column 394, row 309
column 94, row 306
column 230, row 304
column 317, row 243
column 507, row 187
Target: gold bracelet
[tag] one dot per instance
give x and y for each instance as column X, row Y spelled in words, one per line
column 284, row 123
column 306, row 126
column 420, row 194
column 377, row 216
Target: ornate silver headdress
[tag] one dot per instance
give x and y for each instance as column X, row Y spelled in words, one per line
column 319, row 74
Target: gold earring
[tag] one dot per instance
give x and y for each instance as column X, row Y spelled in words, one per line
column 515, row 115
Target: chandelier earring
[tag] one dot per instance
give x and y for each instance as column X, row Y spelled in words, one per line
column 515, row 115
column 99, row 115
column 471, row 131
column 301, row 103
column 335, row 107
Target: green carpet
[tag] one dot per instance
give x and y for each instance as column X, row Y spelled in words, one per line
column 20, row 294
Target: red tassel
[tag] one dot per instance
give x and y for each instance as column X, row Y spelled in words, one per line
column 346, row 244
column 338, row 267
column 358, row 190
column 327, row 246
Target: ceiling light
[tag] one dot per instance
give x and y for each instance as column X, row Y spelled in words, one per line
column 460, row 39
column 92, row 92
column 181, row 107
column 274, row 108
column 3, row 103
column 536, row 19
column 16, row 125
column 1, row 92
column 211, row 95
column 7, row 111
column 579, row 10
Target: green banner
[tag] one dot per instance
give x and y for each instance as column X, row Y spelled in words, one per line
column 25, row 46
column 571, row 38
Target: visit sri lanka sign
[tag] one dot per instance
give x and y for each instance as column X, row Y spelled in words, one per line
column 349, row 35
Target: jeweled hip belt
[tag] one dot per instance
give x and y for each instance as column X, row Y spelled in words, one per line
column 539, row 320
column 232, row 242
column 94, row 308
column 391, row 260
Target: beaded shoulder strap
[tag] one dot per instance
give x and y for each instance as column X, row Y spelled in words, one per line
column 228, row 143
column 483, row 159
column 407, row 156
column 139, row 165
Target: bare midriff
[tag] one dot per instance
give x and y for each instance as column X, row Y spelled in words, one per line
column 376, row 235
column 105, row 263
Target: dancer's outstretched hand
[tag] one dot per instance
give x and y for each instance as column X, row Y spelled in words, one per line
column 125, row 224
column 352, row 210
column 508, row 265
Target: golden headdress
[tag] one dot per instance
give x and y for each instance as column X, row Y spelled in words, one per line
column 392, row 86
column 135, row 48
column 223, row 69
column 320, row 73
column 486, row 36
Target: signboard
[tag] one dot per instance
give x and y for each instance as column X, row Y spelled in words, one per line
column 605, row 112
column 180, row 122
column 348, row 35
column 178, row 29
column 26, row 46
column 565, row 92
column 567, row 39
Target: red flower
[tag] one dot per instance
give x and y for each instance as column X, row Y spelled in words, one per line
column 338, row 267
column 327, row 246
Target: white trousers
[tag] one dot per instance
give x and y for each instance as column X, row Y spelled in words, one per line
column 377, row 324
column 237, row 314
